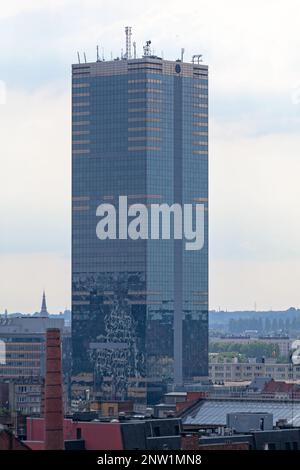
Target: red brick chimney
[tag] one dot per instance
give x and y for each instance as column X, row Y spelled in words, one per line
column 54, row 439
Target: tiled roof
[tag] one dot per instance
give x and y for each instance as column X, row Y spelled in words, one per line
column 277, row 387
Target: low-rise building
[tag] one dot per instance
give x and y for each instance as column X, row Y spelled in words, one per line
column 129, row 434
column 243, row 422
column 24, row 340
column 275, row 439
column 23, row 362
column 220, row 372
column 283, row 342
column 26, row 395
column 112, row 408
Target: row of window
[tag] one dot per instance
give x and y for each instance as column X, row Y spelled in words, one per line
column 203, row 131
column 145, row 80
column 146, row 99
column 80, row 104
column 22, row 399
column 28, row 388
column 76, row 95
column 149, row 110
column 144, row 138
column 144, row 90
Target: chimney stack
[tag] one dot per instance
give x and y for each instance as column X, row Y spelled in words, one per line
column 54, row 439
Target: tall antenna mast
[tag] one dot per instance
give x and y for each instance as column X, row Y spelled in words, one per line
column 134, row 49
column 182, row 53
column 78, row 57
column 147, row 49
column 197, row 57
column 84, row 57
column 98, row 58
column 128, row 41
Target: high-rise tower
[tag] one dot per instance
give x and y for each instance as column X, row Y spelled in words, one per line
column 139, row 307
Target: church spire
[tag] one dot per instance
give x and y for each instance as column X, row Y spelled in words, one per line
column 44, row 312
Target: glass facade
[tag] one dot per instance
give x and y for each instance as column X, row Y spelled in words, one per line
column 139, row 307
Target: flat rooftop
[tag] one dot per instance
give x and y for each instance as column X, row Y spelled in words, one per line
column 215, row 411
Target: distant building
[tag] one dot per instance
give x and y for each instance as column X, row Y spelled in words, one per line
column 112, row 408
column 275, row 439
column 26, row 395
column 283, row 342
column 258, row 384
column 24, row 339
column 192, row 441
column 24, row 366
column 220, row 372
column 176, row 402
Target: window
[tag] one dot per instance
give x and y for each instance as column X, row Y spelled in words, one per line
column 261, row 424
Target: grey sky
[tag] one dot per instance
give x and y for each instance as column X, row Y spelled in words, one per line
column 253, row 53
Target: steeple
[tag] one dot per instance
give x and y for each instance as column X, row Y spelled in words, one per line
column 44, row 312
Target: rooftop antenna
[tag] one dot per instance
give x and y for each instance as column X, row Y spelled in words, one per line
column 128, row 42
column 98, row 58
column 182, row 53
column 84, row 57
column 146, row 48
column 122, row 54
column 103, row 58
column 197, row 57
column 134, row 49
column 111, row 55
column 78, row 57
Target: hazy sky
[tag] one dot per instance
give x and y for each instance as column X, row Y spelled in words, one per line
column 252, row 49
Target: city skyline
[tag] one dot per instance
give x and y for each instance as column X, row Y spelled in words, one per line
column 149, row 221
column 254, row 123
